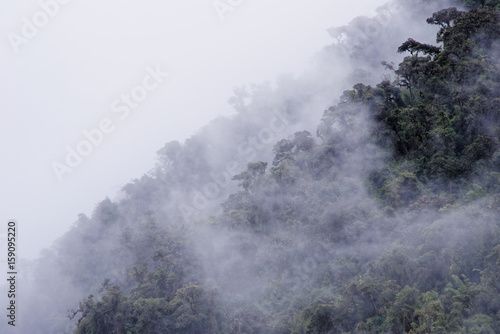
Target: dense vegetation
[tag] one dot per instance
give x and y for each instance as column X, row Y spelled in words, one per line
column 386, row 220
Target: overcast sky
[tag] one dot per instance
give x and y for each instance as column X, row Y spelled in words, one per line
column 74, row 72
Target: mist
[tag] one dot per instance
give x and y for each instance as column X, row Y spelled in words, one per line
column 64, row 80
column 247, row 176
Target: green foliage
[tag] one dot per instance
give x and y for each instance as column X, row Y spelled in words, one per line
column 430, row 314
column 193, row 310
column 483, row 3
column 479, row 324
column 402, row 313
column 412, row 46
column 252, row 172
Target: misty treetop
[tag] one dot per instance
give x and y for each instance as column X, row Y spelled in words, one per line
column 385, row 218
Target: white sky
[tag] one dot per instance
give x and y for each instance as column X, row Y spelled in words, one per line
column 64, row 80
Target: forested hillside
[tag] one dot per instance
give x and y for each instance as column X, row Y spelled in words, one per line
column 383, row 219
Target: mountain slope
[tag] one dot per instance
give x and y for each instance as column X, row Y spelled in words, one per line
column 381, row 219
